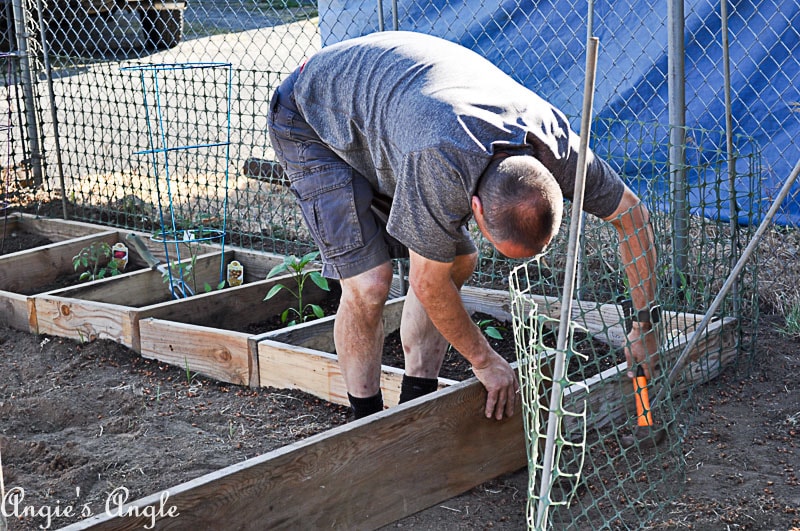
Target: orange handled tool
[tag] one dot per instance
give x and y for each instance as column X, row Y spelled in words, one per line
column 644, row 416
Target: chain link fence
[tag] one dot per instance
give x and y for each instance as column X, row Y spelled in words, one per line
column 74, row 125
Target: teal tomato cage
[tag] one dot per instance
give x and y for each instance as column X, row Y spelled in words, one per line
column 187, row 115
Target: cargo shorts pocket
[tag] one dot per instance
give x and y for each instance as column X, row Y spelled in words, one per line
column 327, row 200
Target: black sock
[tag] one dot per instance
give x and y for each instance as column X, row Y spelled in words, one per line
column 363, row 407
column 414, row 387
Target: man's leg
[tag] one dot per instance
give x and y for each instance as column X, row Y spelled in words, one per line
column 358, row 336
column 423, row 345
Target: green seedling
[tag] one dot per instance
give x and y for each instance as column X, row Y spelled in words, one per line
column 189, row 376
column 495, row 332
column 297, row 267
column 792, row 320
column 97, row 261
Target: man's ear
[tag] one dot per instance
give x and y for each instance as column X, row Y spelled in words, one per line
column 477, row 206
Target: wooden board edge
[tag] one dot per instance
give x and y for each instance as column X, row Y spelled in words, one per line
column 219, row 354
column 16, row 311
column 83, row 320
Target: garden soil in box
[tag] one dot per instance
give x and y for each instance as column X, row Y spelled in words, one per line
column 21, row 240
column 455, row 367
column 79, row 421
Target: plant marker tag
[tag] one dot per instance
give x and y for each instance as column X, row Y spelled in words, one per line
column 119, row 252
column 235, row 273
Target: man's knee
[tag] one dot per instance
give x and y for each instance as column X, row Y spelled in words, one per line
column 370, row 288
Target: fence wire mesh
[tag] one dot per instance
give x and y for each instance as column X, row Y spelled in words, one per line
column 73, row 121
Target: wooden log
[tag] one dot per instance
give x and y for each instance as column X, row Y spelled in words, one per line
column 362, row 475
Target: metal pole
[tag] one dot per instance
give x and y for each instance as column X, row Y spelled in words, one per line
column 737, row 269
column 676, row 82
column 380, row 15
column 53, row 111
column 569, row 281
column 27, row 90
column 733, row 207
column 582, row 244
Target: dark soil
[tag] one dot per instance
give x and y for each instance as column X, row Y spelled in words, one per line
column 20, row 241
column 455, row 367
column 275, row 322
column 80, row 420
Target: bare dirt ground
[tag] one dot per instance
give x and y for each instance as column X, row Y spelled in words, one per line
column 82, row 424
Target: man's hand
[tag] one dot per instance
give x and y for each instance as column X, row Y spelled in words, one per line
column 500, row 382
column 642, row 348
column 432, row 283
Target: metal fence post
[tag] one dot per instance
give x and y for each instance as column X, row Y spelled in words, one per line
column 28, row 93
column 676, row 83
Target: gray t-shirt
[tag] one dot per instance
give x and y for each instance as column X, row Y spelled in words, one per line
column 420, row 118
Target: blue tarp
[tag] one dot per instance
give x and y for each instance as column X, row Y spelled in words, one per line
column 542, row 45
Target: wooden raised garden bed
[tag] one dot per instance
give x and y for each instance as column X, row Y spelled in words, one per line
column 379, row 469
column 113, row 308
column 26, row 273
column 369, row 472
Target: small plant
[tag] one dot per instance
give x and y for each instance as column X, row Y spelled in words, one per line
column 296, row 266
column 185, row 272
column 792, row 320
column 495, row 332
column 97, row 261
column 189, row 376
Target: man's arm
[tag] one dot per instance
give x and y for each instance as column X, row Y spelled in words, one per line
column 433, row 285
column 638, row 253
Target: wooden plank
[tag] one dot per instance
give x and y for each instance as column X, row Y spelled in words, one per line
column 15, row 311
column 290, row 367
column 237, row 307
column 361, row 475
column 57, row 229
column 219, row 354
column 25, row 271
column 84, row 320
column 140, row 288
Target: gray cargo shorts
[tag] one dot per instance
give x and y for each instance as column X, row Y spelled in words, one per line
column 340, row 208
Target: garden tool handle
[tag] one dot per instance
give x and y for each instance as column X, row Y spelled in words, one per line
column 143, row 251
column 644, row 416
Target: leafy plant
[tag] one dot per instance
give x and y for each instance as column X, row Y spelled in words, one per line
column 792, row 320
column 97, row 261
column 185, row 272
column 495, row 332
column 182, row 271
column 297, row 267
